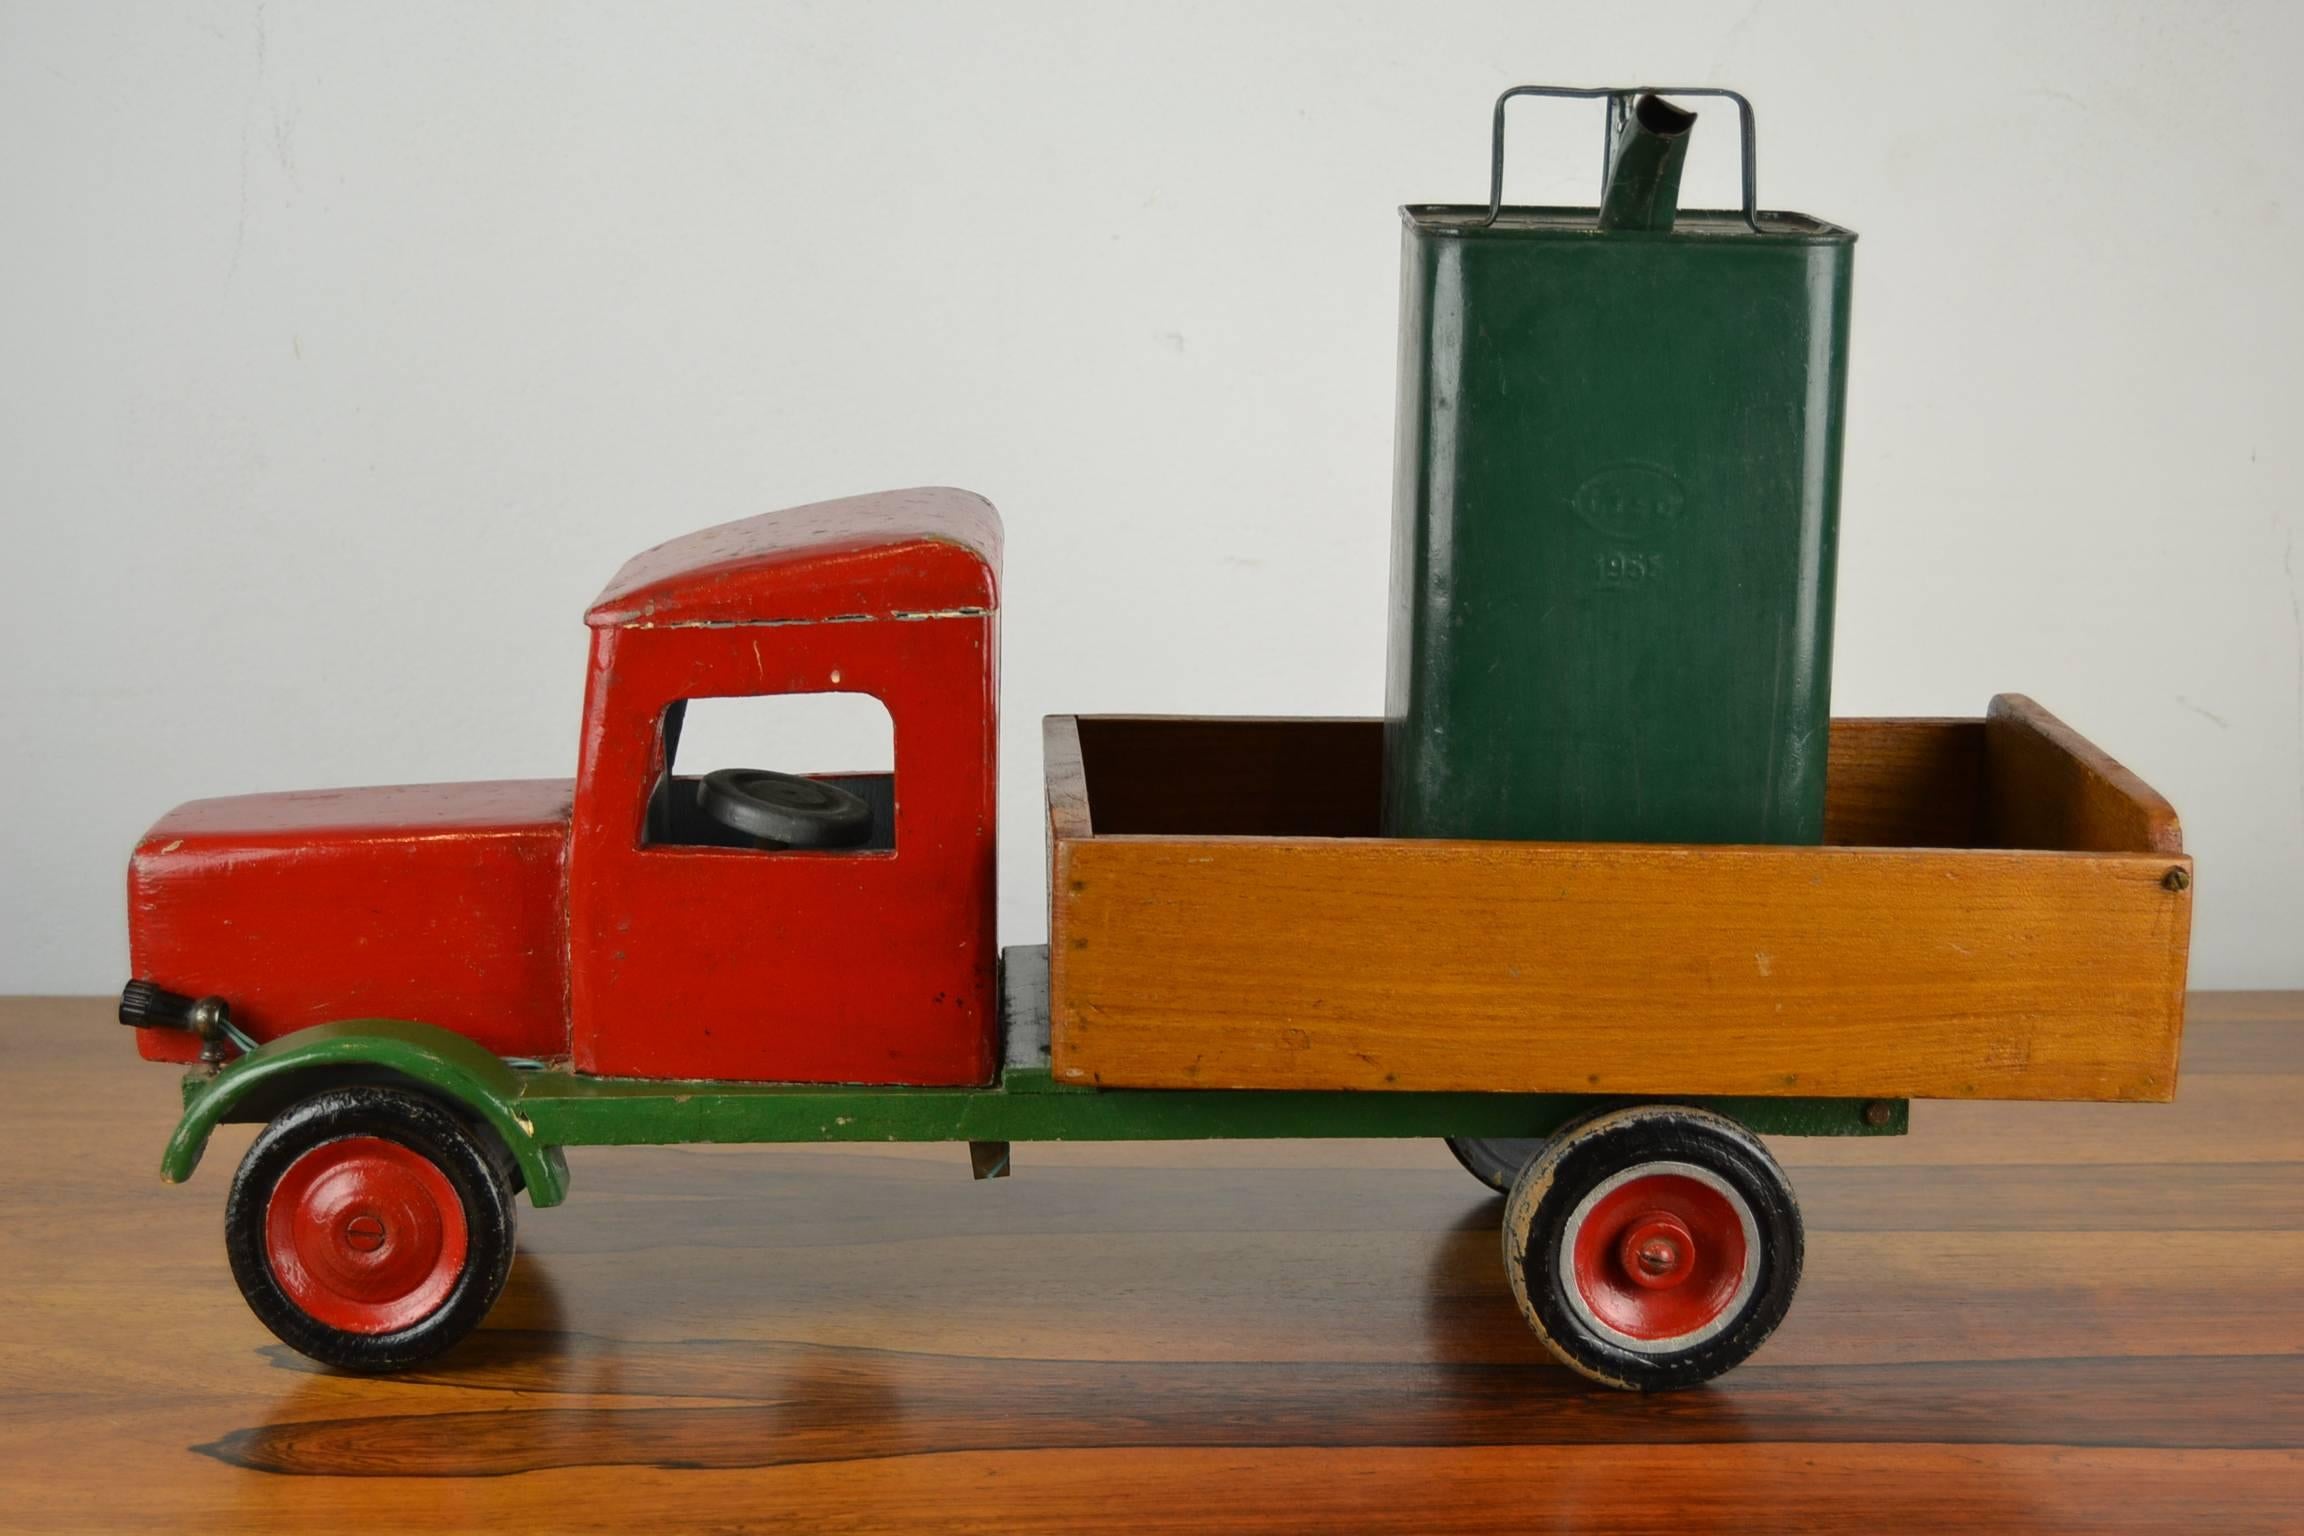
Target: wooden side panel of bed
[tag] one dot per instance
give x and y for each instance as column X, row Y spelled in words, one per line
column 1219, row 918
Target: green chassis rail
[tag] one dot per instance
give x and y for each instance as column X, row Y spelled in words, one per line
column 538, row 1112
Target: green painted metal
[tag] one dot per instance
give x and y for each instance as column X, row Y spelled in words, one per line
column 1644, row 162
column 1616, row 501
column 577, row 1111
column 366, row 1050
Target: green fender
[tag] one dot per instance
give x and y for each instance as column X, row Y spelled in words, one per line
column 453, row 1067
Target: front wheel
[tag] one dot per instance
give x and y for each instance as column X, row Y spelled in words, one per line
column 1653, row 1247
column 370, row 1228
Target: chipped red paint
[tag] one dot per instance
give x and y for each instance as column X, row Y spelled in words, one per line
column 497, row 911
column 898, row 554
column 438, row 902
column 801, row 966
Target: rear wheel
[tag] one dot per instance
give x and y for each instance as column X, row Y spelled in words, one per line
column 1495, row 1161
column 1653, row 1247
column 370, row 1228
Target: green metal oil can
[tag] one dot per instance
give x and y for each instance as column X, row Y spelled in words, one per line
column 1616, row 498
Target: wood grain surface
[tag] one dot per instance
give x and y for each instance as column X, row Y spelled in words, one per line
column 1219, row 918
column 1617, row 968
column 2047, row 786
column 2056, row 1317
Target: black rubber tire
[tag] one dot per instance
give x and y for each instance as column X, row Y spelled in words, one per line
column 477, row 1166
column 785, row 809
column 1495, row 1161
column 1583, row 1155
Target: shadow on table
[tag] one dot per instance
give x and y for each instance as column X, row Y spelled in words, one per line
column 532, row 1391
column 722, row 1403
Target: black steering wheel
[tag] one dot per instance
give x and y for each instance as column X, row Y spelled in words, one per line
column 784, row 809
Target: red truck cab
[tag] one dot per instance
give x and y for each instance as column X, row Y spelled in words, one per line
column 607, row 921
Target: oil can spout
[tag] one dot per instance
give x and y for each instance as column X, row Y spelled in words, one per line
column 1651, row 144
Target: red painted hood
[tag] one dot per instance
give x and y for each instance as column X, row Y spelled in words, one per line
column 444, row 903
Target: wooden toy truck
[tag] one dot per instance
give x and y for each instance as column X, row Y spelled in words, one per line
column 427, row 993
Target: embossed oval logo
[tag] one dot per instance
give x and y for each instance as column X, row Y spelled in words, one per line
column 1630, row 501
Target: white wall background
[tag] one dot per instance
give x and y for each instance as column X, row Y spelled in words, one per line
column 345, row 349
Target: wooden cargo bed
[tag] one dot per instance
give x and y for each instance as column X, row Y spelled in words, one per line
column 2000, row 911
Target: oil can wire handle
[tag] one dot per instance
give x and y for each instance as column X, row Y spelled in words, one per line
column 1620, row 99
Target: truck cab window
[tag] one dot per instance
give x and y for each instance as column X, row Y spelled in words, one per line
column 812, row 772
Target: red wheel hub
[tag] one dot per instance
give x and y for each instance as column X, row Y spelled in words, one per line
column 1657, row 1251
column 1660, row 1254
column 365, row 1235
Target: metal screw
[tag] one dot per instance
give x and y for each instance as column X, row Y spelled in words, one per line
column 2177, row 879
column 1659, row 1255
column 1879, row 1112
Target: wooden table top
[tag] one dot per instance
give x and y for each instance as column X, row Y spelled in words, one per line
column 2067, row 1317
